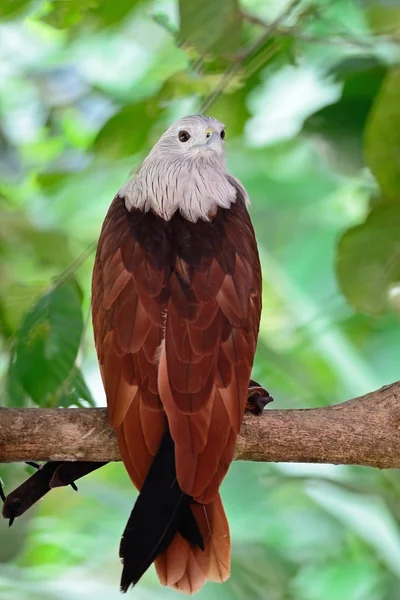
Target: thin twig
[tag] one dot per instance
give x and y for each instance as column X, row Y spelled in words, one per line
column 338, row 39
column 244, row 55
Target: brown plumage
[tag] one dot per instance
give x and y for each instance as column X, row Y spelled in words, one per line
column 176, row 308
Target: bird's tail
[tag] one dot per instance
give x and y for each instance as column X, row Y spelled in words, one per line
column 189, row 541
column 186, row 567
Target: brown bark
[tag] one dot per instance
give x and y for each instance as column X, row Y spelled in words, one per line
column 362, row 431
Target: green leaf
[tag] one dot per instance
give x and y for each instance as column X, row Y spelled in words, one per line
column 342, row 123
column 48, row 341
column 11, row 8
column 210, row 26
column 368, row 260
column 126, row 133
column 110, row 13
column 63, row 14
column 74, row 391
column 384, row 17
column 183, row 84
column 18, row 298
column 15, row 393
column 51, row 182
column 338, row 579
column 382, row 137
column 51, row 246
column 231, row 107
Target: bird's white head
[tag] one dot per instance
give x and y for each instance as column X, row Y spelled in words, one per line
column 193, row 137
column 186, row 171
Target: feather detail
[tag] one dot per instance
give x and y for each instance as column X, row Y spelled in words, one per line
column 171, row 565
column 215, row 561
column 187, row 568
column 193, row 578
column 189, row 431
column 197, row 470
column 131, row 429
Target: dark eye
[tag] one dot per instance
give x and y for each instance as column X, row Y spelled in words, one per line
column 183, row 136
column 222, row 134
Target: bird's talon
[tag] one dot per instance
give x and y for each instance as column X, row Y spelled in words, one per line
column 11, row 521
column 256, row 404
column 257, row 399
column 74, row 486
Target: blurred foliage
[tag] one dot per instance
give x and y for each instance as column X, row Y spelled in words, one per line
column 308, row 90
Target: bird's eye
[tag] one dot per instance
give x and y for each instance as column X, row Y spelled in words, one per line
column 183, row 136
column 222, row 134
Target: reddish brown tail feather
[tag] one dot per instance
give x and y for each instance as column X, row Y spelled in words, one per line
column 186, row 567
column 188, row 541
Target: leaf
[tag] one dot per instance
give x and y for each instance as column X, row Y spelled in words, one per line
column 63, row 14
column 342, row 123
column 74, row 391
column 337, row 579
column 232, row 108
column 384, row 17
column 48, row 341
column 18, row 298
column 183, row 84
column 212, row 27
column 51, row 246
column 127, row 131
column 11, row 8
column 15, row 393
column 367, row 516
column 110, row 13
column 368, row 260
column 382, row 137
column 51, row 182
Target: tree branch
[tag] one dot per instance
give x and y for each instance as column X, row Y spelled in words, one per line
column 362, row 431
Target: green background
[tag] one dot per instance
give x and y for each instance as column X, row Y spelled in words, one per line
column 309, row 92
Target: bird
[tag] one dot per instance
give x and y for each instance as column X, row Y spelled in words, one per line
column 176, row 304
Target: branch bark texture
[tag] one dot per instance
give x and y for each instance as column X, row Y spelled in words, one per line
column 361, row 431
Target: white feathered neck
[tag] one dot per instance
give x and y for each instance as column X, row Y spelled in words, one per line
column 188, row 178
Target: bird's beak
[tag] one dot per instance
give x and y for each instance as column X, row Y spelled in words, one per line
column 214, row 140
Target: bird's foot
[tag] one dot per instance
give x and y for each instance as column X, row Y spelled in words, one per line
column 36, row 466
column 46, row 477
column 257, row 398
column 68, row 472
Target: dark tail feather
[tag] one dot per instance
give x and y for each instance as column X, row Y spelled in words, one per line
column 161, row 510
column 189, row 529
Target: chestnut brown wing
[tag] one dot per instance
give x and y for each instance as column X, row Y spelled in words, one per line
column 127, row 308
